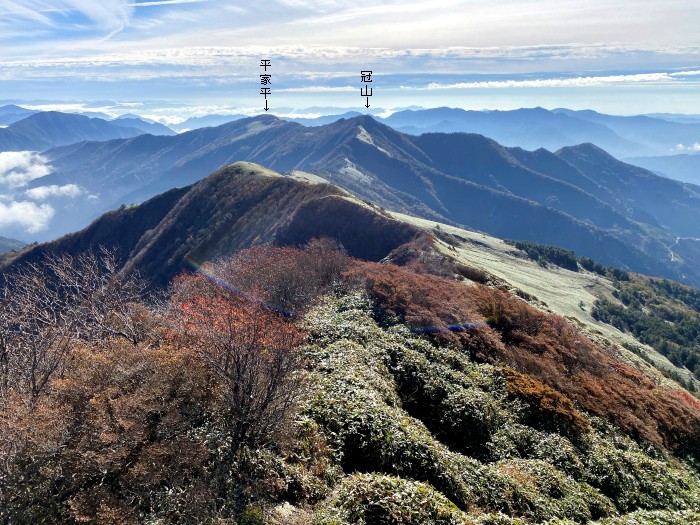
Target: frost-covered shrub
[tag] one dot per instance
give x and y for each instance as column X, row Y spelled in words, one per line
column 379, row 499
column 656, row 517
column 555, row 494
column 520, row 441
column 634, row 480
column 360, row 414
column 391, row 403
column 461, row 402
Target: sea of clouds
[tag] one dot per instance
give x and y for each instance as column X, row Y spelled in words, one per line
column 23, row 208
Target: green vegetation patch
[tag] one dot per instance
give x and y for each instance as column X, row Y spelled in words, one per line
column 545, row 254
column 663, row 314
column 392, row 405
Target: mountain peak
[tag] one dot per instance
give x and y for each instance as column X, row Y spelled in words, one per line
column 248, row 168
column 48, row 129
column 586, row 148
column 12, row 108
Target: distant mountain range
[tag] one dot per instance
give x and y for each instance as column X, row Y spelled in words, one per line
column 144, row 125
column 25, row 129
column 7, row 245
column 685, row 167
column 206, row 121
column 48, row 129
column 11, row 114
column 579, row 197
column 529, row 128
column 537, row 127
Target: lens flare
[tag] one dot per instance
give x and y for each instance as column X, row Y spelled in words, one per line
column 200, row 269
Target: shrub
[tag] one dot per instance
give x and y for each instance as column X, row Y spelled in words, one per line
column 632, row 479
column 521, row 441
column 548, row 409
column 437, row 307
column 462, row 403
column 380, row 499
column 47, row 309
column 359, row 411
column 550, row 349
column 109, row 441
column 285, row 279
column 544, row 254
column 657, row 517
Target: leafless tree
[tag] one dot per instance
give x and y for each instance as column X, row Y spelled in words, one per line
column 46, row 308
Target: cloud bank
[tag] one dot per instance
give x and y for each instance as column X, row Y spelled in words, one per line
column 28, row 215
column 41, row 193
column 19, row 210
column 17, row 168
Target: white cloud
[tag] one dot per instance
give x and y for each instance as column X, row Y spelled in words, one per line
column 168, row 120
column 646, row 78
column 318, row 89
column 107, row 15
column 41, row 193
column 166, row 2
column 73, row 107
column 694, row 148
column 17, row 168
column 691, row 73
column 28, row 215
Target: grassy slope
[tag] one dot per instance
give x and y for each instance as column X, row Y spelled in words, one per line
column 556, row 289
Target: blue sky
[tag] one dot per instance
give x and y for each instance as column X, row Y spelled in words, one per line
column 174, row 58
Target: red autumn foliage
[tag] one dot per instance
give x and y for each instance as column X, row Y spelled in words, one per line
column 287, row 279
column 251, row 349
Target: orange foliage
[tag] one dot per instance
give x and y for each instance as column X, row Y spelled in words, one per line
column 428, row 304
column 107, row 437
column 550, row 410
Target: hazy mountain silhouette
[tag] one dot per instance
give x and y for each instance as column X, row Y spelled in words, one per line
column 154, row 128
column 684, row 167
column 7, row 244
column 205, row 121
column 10, row 114
column 49, row 129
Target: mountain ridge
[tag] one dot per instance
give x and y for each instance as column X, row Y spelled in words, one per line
column 252, row 205
column 563, row 198
column 49, row 129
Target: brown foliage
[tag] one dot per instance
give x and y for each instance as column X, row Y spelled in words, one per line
column 287, row 279
column 45, row 309
column 421, row 256
column 107, row 438
column 428, row 304
column 549, row 348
